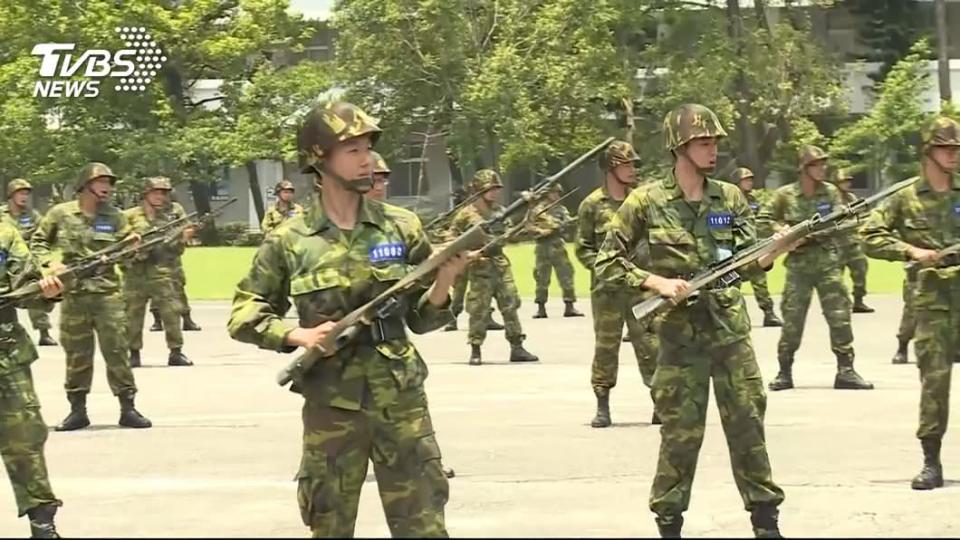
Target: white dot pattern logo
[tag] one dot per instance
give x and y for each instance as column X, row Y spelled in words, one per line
column 149, row 58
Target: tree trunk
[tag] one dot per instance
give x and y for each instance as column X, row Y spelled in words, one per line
column 628, row 115
column 748, row 148
column 256, row 192
column 943, row 58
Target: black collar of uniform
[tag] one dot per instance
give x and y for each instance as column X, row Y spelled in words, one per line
column 371, row 212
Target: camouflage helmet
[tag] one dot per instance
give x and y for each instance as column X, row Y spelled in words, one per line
column 741, row 173
column 811, row 154
column 618, row 153
column 485, row 180
column 379, row 164
column 842, row 175
column 161, row 183
column 329, row 124
column 689, row 122
column 282, row 185
column 943, row 131
column 92, row 171
column 16, row 185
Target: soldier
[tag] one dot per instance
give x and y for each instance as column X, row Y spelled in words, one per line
column 851, row 248
column 180, row 280
column 94, row 305
column 610, row 301
column 381, row 178
column 908, row 318
column 26, row 220
column 367, row 401
column 914, row 224
column 551, row 253
column 815, row 265
column 22, row 429
column 490, row 276
column 283, row 210
column 152, row 276
column 690, row 221
column 757, row 199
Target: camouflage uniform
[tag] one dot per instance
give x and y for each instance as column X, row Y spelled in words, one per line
column 709, row 337
column 22, row 429
column 279, row 212
column 550, row 253
column 611, row 302
column 922, row 218
column 757, row 199
column 815, row 265
column 367, row 402
column 908, row 317
column 94, row 305
column 851, row 248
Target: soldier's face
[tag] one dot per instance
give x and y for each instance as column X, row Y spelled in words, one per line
column 379, row 190
column 286, row 195
column 157, row 197
column 352, row 161
column 492, row 195
column 746, row 184
column 947, row 156
column 817, row 170
column 20, row 197
column 703, row 153
column 626, row 173
column 101, row 188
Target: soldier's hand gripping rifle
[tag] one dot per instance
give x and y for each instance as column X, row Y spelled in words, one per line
column 950, row 253
column 385, row 304
column 725, row 272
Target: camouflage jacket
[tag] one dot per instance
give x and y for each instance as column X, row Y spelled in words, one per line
column 26, row 222
column 549, row 224
column 789, row 206
column 684, row 238
column 68, row 230
column 594, row 218
column 329, row 272
column 274, row 216
column 758, row 199
column 16, row 347
column 849, row 238
column 471, row 215
column 161, row 260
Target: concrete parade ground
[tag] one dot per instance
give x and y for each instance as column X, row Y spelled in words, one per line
column 225, row 445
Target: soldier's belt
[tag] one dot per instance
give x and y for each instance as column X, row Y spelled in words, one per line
column 380, row 330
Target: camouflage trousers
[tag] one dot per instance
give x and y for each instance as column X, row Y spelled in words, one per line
column 551, row 254
column 162, row 292
column 758, row 281
column 180, row 287
column 611, row 310
column 908, row 318
column 492, row 279
column 852, row 257
column 459, row 294
column 834, row 302
column 680, row 394
column 339, row 444
column 937, row 304
column 22, row 437
column 39, row 319
column 81, row 316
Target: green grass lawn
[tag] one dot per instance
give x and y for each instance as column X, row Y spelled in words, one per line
column 213, row 272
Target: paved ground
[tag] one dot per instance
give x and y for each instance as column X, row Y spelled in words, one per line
column 222, row 456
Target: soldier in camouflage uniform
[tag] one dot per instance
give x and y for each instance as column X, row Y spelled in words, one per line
column 851, row 249
column 611, row 301
column 689, row 222
column 180, row 279
column 366, row 401
column 815, row 265
column 908, row 318
column 22, row 429
column 284, row 209
column 94, row 306
column 757, row 199
column 151, row 276
column 26, row 219
column 381, row 178
column 551, row 253
column 914, row 224
column 490, row 276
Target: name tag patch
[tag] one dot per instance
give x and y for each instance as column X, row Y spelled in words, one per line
column 754, row 206
column 3, row 256
column 390, row 252
column 956, row 209
column 25, row 221
column 291, row 213
column 103, row 227
column 717, row 221
column 824, row 208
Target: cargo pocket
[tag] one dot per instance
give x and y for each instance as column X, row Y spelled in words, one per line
column 316, row 491
column 437, row 487
column 318, row 295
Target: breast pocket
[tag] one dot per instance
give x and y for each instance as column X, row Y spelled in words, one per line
column 319, row 296
column 670, row 248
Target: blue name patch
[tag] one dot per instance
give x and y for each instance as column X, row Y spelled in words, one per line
column 104, row 227
column 388, row 252
column 824, row 208
column 291, row 213
column 716, row 221
column 754, row 206
column 26, row 221
column 956, row 209
column 3, row 256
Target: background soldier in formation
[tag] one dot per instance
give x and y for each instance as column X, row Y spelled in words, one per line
column 381, row 178
column 690, row 222
column 908, row 317
column 367, row 401
column 611, row 301
column 757, row 199
column 151, row 275
column 815, row 265
column 550, row 253
column 94, row 305
column 26, row 219
column 851, row 246
column 180, row 283
column 490, row 275
column 283, row 210
column 914, row 224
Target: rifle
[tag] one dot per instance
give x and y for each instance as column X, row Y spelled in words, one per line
column 445, row 216
column 519, row 227
column 949, row 251
column 725, row 271
column 386, row 303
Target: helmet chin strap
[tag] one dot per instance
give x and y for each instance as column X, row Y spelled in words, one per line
column 359, row 185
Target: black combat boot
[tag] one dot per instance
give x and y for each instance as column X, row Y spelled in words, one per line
column 784, row 379
column 519, row 354
column 602, row 418
column 902, row 356
column 626, row 338
column 541, row 311
column 860, row 307
column 45, row 339
column 669, row 526
column 452, row 325
column 77, row 419
column 847, row 378
column 188, row 324
column 931, row 475
column 570, row 311
column 475, row 357
column 177, row 358
column 492, row 325
column 764, row 519
column 129, row 416
column 770, row 319
column 41, row 521
column 134, row 358
column 157, row 323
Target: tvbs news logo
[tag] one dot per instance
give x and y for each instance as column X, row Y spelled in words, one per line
column 129, row 70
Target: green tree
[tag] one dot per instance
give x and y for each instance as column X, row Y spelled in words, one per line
column 887, row 28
